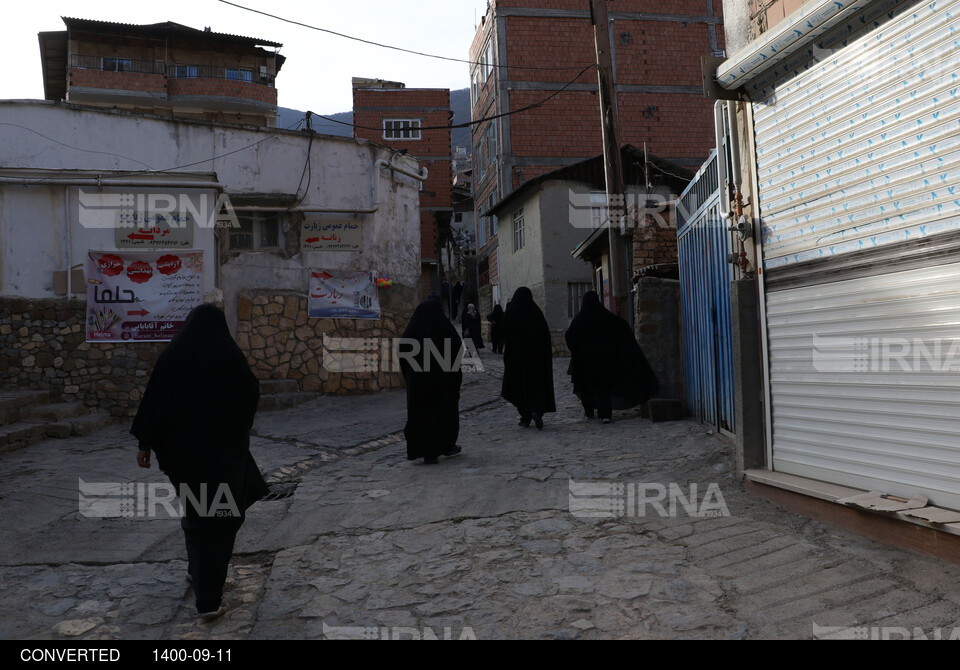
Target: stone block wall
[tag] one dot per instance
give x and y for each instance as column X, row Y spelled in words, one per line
column 657, row 327
column 282, row 342
column 44, row 347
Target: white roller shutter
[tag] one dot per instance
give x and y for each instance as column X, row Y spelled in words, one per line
column 858, row 149
column 865, row 382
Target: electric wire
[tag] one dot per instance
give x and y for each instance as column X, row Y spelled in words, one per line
column 484, row 119
column 395, row 48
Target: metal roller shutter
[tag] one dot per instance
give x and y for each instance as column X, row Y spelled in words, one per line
column 858, row 152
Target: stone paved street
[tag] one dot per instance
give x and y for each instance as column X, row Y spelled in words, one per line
column 358, row 541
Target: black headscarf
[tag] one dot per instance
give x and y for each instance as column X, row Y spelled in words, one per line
column 433, row 377
column 605, row 355
column 528, row 355
column 198, row 408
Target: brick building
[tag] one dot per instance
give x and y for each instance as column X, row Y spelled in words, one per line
column 526, row 50
column 163, row 68
column 416, row 121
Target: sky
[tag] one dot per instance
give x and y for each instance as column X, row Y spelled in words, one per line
column 319, row 67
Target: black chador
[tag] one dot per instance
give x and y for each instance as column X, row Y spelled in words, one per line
column 496, row 329
column 430, row 361
column 527, row 359
column 195, row 415
column 607, row 366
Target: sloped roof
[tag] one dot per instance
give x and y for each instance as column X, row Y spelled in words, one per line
column 166, row 28
column 591, row 171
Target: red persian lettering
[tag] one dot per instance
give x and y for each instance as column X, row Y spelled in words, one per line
column 139, row 272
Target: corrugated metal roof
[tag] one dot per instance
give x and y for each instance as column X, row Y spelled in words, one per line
column 166, row 28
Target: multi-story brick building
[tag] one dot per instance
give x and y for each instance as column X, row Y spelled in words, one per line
column 163, row 68
column 416, row 121
column 528, row 50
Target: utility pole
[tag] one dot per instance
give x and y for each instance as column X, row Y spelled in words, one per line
column 613, row 169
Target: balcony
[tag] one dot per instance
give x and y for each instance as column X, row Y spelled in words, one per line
column 101, row 79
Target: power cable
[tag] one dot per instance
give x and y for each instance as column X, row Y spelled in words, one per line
column 475, row 122
column 388, row 46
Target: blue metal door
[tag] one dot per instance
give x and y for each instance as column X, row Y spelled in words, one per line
column 703, row 245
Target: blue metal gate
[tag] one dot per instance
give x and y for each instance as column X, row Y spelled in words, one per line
column 703, row 244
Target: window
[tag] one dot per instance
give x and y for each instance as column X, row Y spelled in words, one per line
column 256, row 232
column 481, row 161
column 186, row 71
column 598, row 209
column 238, row 74
column 481, row 228
column 488, row 57
column 518, row 237
column 492, row 142
column 575, row 293
column 475, row 85
column 401, row 129
column 117, row 64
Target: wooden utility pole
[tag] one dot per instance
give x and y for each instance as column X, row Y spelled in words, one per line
column 613, row 169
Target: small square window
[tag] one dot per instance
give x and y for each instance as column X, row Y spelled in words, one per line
column 256, row 232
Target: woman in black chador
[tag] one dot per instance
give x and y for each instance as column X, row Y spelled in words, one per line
column 527, row 359
column 607, row 366
column 196, row 414
column 496, row 329
column 470, row 326
column 430, row 361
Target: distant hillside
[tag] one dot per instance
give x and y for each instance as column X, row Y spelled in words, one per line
column 459, row 103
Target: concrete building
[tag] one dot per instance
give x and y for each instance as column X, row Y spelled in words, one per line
column 552, row 227
column 526, row 51
column 839, row 139
column 258, row 267
column 164, row 69
column 414, row 121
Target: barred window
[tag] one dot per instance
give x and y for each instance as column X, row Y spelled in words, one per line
column 401, row 129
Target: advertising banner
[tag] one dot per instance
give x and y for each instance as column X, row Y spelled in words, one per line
column 343, row 294
column 141, row 296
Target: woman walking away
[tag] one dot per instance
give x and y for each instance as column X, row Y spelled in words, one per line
column 527, row 359
column 470, row 326
column 195, row 415
column 607, row 366
column 496, row 329
column 430, row 362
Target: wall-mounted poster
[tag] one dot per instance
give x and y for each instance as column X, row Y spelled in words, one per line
column 317, row 235
column 141, row 296
column 163, row 230
column 343, row 294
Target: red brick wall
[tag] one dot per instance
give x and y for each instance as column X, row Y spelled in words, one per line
column 432, row 106
column 124, row 81
column 222, row 87
column 653, row 243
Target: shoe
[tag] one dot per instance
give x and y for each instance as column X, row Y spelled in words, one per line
column 430, row 460
column 605, row 421
column 207, row 617
column 452, row 452
column 590, row 415
column 524, row 422
column 539, row 421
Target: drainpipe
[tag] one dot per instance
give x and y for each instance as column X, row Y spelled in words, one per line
column 98, row 182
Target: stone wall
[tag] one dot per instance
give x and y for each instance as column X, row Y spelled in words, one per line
column 44, row 347
column 282, row 342
column 657, row 327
